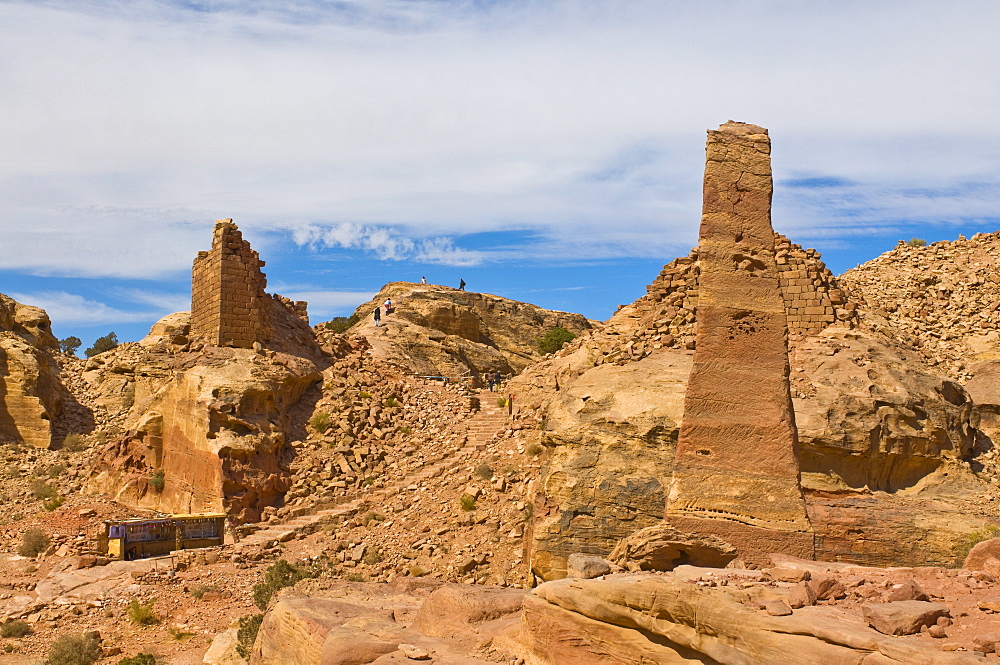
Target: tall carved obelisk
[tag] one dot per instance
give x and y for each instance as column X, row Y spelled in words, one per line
column 736, row 474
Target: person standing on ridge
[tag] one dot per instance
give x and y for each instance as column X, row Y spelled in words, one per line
column 388, row 305
column 461, row 284
column 423, row 279
column 378, row 315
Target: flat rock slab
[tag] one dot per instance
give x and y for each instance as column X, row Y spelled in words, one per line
column 903, row 617
column 632, row 618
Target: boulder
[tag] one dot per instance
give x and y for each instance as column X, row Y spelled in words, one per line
column 985, row 556
column 663, row 547
column 586, row 566
column 903, row 617
column 908, row 590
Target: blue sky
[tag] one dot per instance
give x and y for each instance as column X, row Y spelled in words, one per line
column 548, row 151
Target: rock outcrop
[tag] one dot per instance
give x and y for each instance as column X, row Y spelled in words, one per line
column 440, row 331
column 887, row 443
column 407, row 621
column 692, row 618
column 736, row 470
column 30, row 394
column 211, row 398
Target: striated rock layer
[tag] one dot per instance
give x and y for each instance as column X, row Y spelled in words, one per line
column 736, row 474
column 30, row 393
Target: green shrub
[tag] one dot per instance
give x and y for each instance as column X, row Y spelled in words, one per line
column 970, row 540
column 391, row 402
column 179, row 633
column 339, row 324
column 142, row 614
column 468, row 502
column 102, row 344
column 405, row 430
column 372, row 556
column 416, row 570
column 55, row 470
column 320, row 421
column 534, row 449
column 157, row 481
column 916, row 242
column 554, row 340
column 74, row 443
column 501, row 402
column 246, row 634
column 14, row 628
column 372, row 516
column 281, row 574
column 33, row 543
column 200, row 590
column 139, row 659
column 484, row 471
column 53, row 503
column 74, row 650
column 42, row 490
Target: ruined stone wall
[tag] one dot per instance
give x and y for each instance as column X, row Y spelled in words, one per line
column 665, row 316
column 813, row 299
column 228, row 303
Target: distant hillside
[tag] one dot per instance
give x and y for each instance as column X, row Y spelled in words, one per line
column 942, row 299
column 441, row 331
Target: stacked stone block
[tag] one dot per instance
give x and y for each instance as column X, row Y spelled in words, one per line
column 813, row 299
column 228, row 303
column 665, row 316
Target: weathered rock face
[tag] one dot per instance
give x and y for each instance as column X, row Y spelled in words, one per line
column 30, row 394
column 627, row 619
column 356, row 624
column 612, row 432
column 440, row 331
column 736, row 474
column 215, row 429
column 661, row 547
column 208, row 423
column 873, row 416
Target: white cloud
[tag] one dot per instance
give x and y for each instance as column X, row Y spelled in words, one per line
column 327, row 304
column 398, row 127
column 68, row 309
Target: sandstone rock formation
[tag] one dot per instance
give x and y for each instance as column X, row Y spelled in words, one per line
column 357, row 624
column 715, row 617
column 736, row 471
column 887, row 442
column 661, row 547
column 440, row 331
column 207, row 423
column 30, row 394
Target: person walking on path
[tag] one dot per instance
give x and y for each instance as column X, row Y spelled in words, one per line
column 378, row 315
column 491, row 382
column 388, row 305
column 496, row 380
column 461, row 284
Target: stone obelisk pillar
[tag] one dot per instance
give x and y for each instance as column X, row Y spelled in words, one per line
column 736, row 474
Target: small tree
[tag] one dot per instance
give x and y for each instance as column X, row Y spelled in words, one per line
column 916, row 242
column 246, row 635
column 554, row 340
column 70, row 345
column 102, row 344
column 157, row 481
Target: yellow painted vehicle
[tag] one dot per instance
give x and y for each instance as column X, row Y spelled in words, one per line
column 142, row 538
